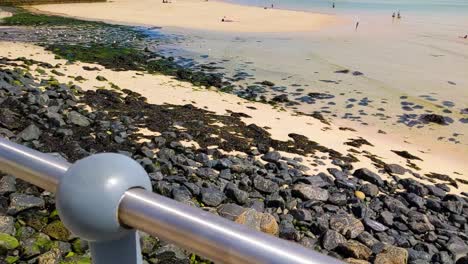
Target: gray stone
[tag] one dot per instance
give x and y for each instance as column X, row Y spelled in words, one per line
column 307, row 192
column 20, row 202
column 374, row 225
column 332, row 239
column 31, row 132
column 457, row 247
column 367, row 175
column 369, row 190
column 272, row 156
column 238, row 195
column 55, row 119
column 265, row 185
column 7, row 225
column 212, row 197
column 346, row 225
column 7, row 184
column 78, row 119
column 394, row 169
column 171, row 254
column 231, row 211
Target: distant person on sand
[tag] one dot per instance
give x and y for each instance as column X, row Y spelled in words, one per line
column 357, row 25
column 393, row 15
column 398, row 15
column 333, row 5
column 272, row 6
column 224, row 19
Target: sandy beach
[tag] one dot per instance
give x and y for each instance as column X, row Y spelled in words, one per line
column 195, row 14
column 281, row 122
column 160, row 89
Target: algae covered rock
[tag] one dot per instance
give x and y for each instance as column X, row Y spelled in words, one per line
column 7, row 242
column 57, row 230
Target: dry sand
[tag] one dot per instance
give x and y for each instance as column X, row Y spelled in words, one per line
column 160, row 89
column 194, row 14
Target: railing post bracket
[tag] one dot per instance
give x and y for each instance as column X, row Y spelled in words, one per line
column 88, row 198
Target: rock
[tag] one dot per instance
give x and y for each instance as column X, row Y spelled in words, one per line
column 231, row 211
column 78, row 119
column 394, row 169
column 206, row 173
column 357, row 73
column 339, row 199
column 415, row 200
column 386, row 218
column 7, row 184
column 307, row 192
column 367, row 239
column 212, row 197
column 267, row 83
column 31, row 132
column 233, row 192
column 354, row 249
column 20, row 202
column 272, row 156
column 420, row 223
column 360, row 195
column 356, row 261
column 7, row 242
column 258, row 221
column 169, row 253
column 38, row 244
column 269, row 225
column 57, row 230
column 287, row 231
column 7, row 225
column 148, row 243
column 265, row 185
column 346, row 225
column 457, row 247
column 282, row 98
column 301, row 215
column 275, row 200
column 392, row 255
column 332, row 239
column 415, row 187
column 101, row 78
column 80, row 246
column 374, row 225
column 434, row 118
column 51, row 257
column 369, row 176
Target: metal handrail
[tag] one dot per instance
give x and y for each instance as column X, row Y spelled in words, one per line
column 191, row 228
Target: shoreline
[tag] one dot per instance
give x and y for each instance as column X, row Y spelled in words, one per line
column 197, row 15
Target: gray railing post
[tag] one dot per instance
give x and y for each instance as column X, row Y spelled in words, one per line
column 88, row 198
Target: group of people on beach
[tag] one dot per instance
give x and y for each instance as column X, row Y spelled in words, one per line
column 398, row 16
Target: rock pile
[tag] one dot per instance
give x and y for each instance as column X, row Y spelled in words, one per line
column 353, row 215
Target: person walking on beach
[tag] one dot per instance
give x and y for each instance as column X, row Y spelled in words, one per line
column 333, row 5
column 357, row 25
column 398, row 15
column 393, row 15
